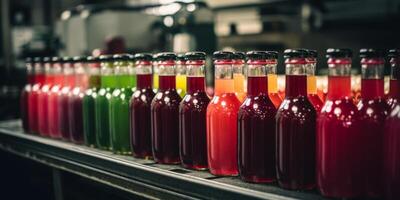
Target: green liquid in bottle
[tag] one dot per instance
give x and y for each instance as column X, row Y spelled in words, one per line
column 119, row 114
column 89, row 122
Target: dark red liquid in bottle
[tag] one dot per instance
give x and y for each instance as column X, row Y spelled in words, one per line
column 33, row 103
column 140, row 116
column 63, row 108
column 43, row 100
column 392, row 154
column 338, row 142
column 164, row 122
column 24, row 102
column 295, row 147
column 394, row 92
column 373, row 110
column 75, row 117
column 192, row 124
column 53, row 112
column 256, row 133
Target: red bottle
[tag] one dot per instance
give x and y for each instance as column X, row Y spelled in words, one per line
column 54, row 92
column 75, row 98
column 24, row 99
column 222, row 119
column 43, row 99
column 63, row 108
column 295, row 127
column 140, row 111
column 311, row 66
column 256, row 123
column 33, row 96
column 165, row 113
column 338, row 133
column 392, row 139
column 192, row 114
column 373, row 111
column 394, row 89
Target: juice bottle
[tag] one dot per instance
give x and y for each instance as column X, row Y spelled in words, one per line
column 392, row 138
column 75, row 100
column 373, row 111
column 256, row 123
column 88, row 107
column 295, row 127
column 33, row 95
column 181, row 75
column 312, row 80
column 108, row 82
column 394, row 90
column 63, row 109
column 119, row 103
column 54, row 92
column 192, row 114
column 43, row 99
column 25, row 93
column 165, row 113
column 273, row 79
column 222, row 113
column 140, row 111
column 238, row 75
column 338, row 133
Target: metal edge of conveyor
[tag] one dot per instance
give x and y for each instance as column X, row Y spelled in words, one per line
column 170, row 181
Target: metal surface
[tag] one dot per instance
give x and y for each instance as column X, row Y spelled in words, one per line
column 142, row 178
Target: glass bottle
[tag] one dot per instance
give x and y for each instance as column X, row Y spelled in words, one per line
column 394, row 90
column 33, row 95
column 238, row 61
column 25, row 93
column 256, row 123
column 140, row 111
column 295, row 127
column 338, row 133
column 43, row 99
column 373, row 110
column 54, row 93
column 63, row 108
column 222, row 119
column 181, row 75
column 311, row 66
column 108, row 82
column 165, row 113
column 75, row 100
column 192, row 114
column 392, row 138
column 88, row 101
column 119, row 103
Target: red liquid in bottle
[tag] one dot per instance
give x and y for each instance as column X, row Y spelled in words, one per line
column 295, row 150
column 192, row 124
column 43, row 99
column 33, row 103
column 392, row 154
column 164, row 122
column 63, row 108
column 141, row 117
column 256, row 133
column 53, row 108
column 338, row 135
column 394, row 93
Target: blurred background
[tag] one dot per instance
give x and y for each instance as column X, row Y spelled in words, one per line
column 91, row 27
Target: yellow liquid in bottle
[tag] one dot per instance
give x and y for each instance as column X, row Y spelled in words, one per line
column 311, row 85
column 155, row 81
column 181, row 84
column 272, row 83
column 239, row 86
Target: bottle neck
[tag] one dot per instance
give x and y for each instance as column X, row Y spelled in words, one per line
column 257, row 81
column 223, row 77
column 296, row 77
column 339, row 80
column 195, row 76
column 167, row 75
column 144, row 74
column 311, row 79
column 372, row 83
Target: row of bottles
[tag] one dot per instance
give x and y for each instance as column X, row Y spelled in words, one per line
column 156, row 107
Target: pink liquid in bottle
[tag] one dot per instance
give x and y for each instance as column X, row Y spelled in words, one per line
column 222, row 120
column 392, row 139
column 43, row 99
column 165, row 113
column 256, row 124
column 54, row 92
column 295, row 123
column 338, row 133
column 192, row 115
column 33, row 96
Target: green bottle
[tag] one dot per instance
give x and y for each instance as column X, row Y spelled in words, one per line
column 119, row 104
column 89, row 124
column 108, row 82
